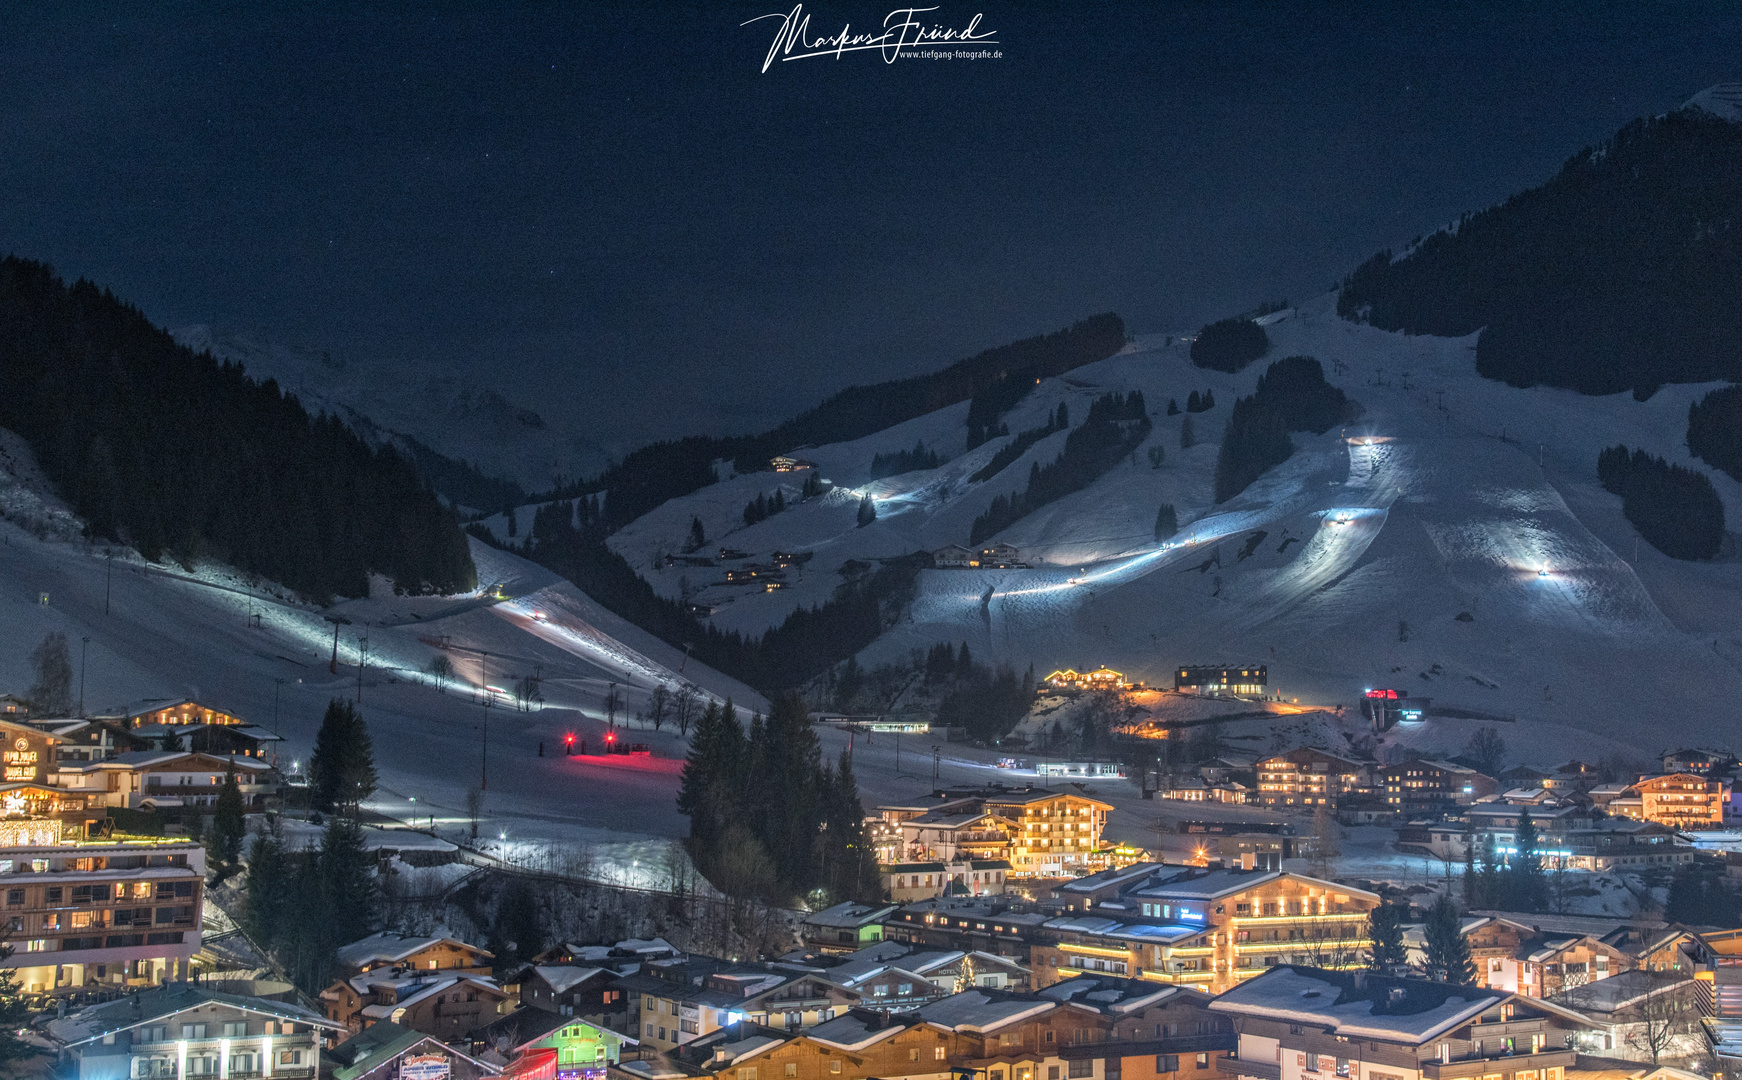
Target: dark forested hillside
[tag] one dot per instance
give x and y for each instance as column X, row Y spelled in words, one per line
column 651, row 475
column 1292, row 395
column 1116, row 425
column 1622, row 272
column 1677, row 510
column 185, row 457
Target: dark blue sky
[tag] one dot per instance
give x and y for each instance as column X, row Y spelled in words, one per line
column 617, row 213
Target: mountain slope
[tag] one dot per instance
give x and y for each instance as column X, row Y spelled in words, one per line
column 1376, row 537
column 1624, row 271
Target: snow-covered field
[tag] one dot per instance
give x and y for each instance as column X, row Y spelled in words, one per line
column 1450, row 496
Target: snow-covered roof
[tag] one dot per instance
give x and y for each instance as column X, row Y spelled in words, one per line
column 848, row 915
column 1104, row 878
column 561, row 979
column 981, row 1010
column 856, row 1030
column 390, row 947
column 1618, row 991
column 1418, row 1012
column 95, row 1021
column 1104, row 995
column 1214, row 884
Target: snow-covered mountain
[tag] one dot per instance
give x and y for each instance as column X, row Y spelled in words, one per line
column 465, row 422
column 1453, row 542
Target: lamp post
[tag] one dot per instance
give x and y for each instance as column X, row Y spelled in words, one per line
column 484, row 760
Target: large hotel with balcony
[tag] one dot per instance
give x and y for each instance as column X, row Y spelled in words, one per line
column 1210, row 930
column 82, row 909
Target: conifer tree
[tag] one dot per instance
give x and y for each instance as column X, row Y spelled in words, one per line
column 342, row 769
column 867, row 511
column 229, row 827
column 348, row 886
column 1527, row 886
column 51, row 693
column 698, row 536
column 1166, row 522
column 14, row 1011
column 1448, row 951
column 1385, row 936
column 268, row 881
column 1188, row 438
column 516, row 933
column 1173, row 406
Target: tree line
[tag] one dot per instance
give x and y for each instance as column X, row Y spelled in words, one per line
column 1624, row 271
column 1676, row 510
column 1058, row 420
column 769, row 819
column 656, row 473
column 184, row 457
column 1229, row 345
column 306, row 902
column 1715, row 430
column 1116, row 424
column 987, row 703
column 1292, row 395
column 904, row 461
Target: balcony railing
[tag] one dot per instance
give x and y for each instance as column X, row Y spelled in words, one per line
column 1478, row 1066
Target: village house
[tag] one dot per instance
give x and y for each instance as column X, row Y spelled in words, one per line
column 1048, row 833
column 183, row 1029
column 387, row 1051
column 845, row 926
column 1001, row 557
column 536, row 1044
column 954, row 557
column 1300, row 1023
column 786, row 463
column 907, row 882
column 1307, row 778
column 1246, row 680
column 1700, row 760
column 679, row 1012
column 1538, row 955
column 445, row 1004
column 390, row 949
column 1683, row 801
column 1639, row 1016
column 1422, row 786
column 1102, row 678
column 978, row 924
column 149, row 779
column 567, row 990
column 949, row 836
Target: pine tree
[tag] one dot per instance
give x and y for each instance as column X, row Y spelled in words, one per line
column 516, row 933
column 14, row 1012
column 1173, row 406
column 269, row 892
column 1188, row 438
column 1062, row 418
column 342, row 769
column 51, row 694
column 867, row 511
column 1385, row 935
column 1448, row 951
column 698, row 536
column 229, row 827
column 1166, row 522
column 1192, row 402
column 1526, row 883
column 348, row 887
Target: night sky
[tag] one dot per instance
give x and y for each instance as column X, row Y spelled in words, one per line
column 617, row 214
